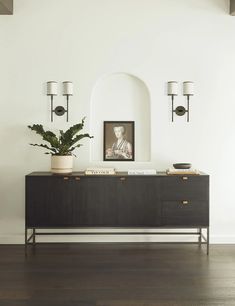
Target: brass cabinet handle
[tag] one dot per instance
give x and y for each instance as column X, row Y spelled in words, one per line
column 77, row 178
column 184, row 178
column 185, row 202
column 65, row 178
column 122, row 179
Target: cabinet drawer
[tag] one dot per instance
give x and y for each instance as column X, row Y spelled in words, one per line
column 185, row 187
column 185, row 212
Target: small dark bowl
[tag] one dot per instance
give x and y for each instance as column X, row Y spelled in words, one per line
column 182, row 166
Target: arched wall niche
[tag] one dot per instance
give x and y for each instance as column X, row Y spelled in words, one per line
column 121, row 97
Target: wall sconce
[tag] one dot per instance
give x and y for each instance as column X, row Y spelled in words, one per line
column 188, row 90
column 52, row 90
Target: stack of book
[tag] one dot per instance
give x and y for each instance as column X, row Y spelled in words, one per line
column 192, row 171
column 100, row 171
column 142, row 172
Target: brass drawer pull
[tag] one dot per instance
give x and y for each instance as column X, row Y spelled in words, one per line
column 185, row 202
column 185, row 178
column 66, row 178
column 122, row 179
column 77, row 178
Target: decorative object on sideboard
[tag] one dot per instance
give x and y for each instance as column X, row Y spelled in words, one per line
column 142, row 172
column 119, row 141
column 182, row 166
column 100, row 171
column 52, row 90
column 62, row 146
column 182, row 171
column 172, row 90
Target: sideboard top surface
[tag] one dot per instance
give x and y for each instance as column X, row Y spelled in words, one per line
column 118, row 174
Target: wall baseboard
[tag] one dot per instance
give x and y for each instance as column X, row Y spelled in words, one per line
column 19, row 239
column 222, row 239
column 11, row 239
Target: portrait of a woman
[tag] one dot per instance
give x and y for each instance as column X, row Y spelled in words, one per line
column 119, row 140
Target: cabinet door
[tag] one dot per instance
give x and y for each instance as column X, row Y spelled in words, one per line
column 96, row 205
column 138, row 202
column 49, row 201
column 70, row 202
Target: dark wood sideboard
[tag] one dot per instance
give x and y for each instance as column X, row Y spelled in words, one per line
column 120, row 201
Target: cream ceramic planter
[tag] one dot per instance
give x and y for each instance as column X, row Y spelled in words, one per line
column 61, row 164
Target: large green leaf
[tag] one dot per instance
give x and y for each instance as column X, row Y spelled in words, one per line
column 80, row 137
column 54, row 151
column 46, row 135
column 65, row 143
column 71, row 132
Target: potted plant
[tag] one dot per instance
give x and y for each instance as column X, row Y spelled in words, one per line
column 61, row 147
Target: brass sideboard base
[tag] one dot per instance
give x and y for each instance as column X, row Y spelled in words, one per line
column 202, row 239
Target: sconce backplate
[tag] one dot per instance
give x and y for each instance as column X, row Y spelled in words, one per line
column 60, row 111
column 180, row 111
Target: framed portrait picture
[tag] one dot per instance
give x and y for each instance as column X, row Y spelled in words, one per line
column 119, row 141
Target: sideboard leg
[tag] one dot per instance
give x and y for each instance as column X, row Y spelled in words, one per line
column 26, row 241
column 200, row 236
column 208, row 241
column 34, row 236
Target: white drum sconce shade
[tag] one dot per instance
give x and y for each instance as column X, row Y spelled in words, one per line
column 188, row 88
column 67, row 88
column 172, row 88
column 52, row 88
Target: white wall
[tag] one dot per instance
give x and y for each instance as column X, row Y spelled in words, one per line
column 155, row 40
